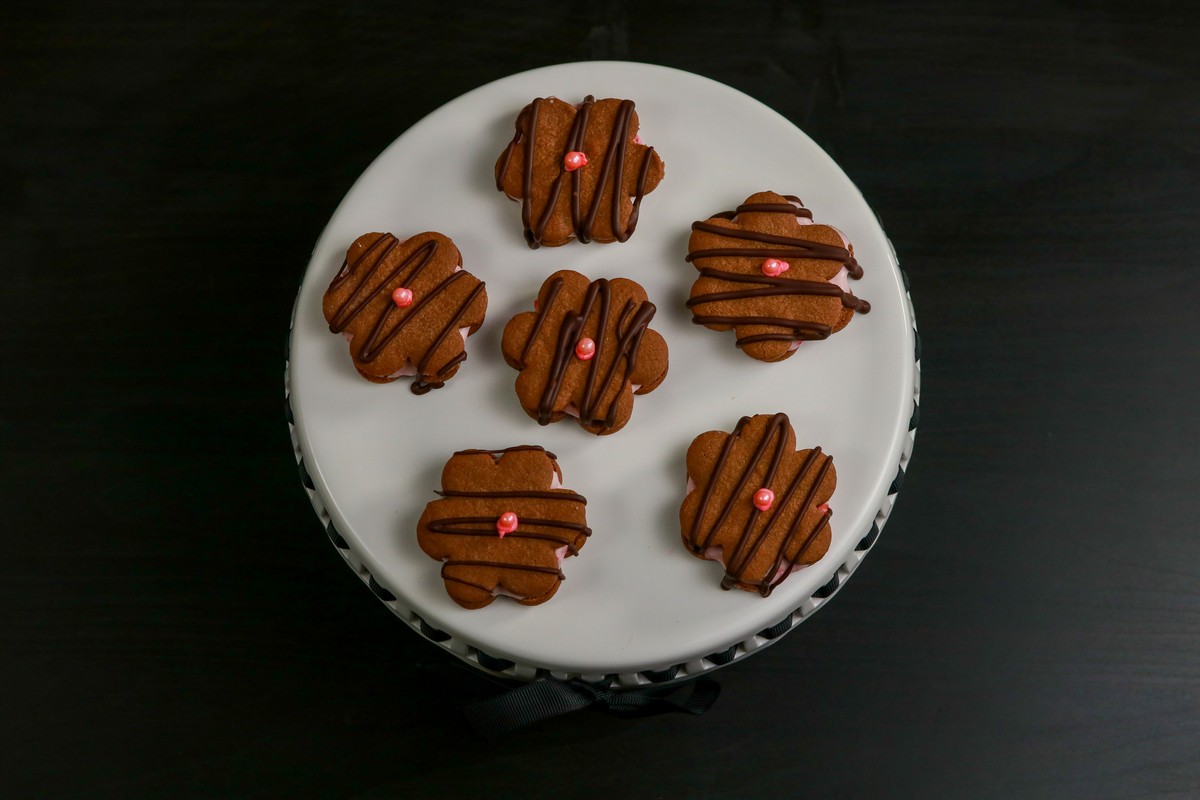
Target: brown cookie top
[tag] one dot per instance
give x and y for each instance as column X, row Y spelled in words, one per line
column 402, row 304
column 586, row 351
column 484, row 551
column 726, row 516
column 769, row 273
column 563, row 200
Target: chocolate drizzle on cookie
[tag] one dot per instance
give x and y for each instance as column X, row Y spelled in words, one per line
column 363, row 268
column 779, row 527
column 612, row 171
column 759, row 285
column 792, row 247
column 496, row 454
column 486, row 526
column 627, row 330
column 767, row 286
column 794, row 206
column 461, row 529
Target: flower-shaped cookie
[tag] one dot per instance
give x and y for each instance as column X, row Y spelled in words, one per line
column 755, row 503
column 503, row 526
column 772, row 275
column 580, row 172
column 406, row 306
column 586, row 351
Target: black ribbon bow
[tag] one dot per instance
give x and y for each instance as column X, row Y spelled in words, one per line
column 551, row 697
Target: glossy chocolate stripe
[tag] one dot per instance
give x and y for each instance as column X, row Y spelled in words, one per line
column 527, row 185
column 628, row 345
column 548, row 494
column 735, row 567
column 543, row 310
column 587, row 406
column 406, row 272
column 490, row 521
column 808, row 540
column 506, row 156
column 378, row 340
column 564, row 350
column 801, row 248
column 853, row 269
column 765, row 585
column 349, row 268
column 345, row 312
column 739, row 557
column 574, row 142
column 767, row 208
column 818, row 249
column 700, row 547
column 771, row 286
column 464, row 582
column 604, row 291
column 782, row 429
column 421, row 386
column 612, row 172
column 519, row 448
column 639, row 194
column 491, row 533
column 503, row 565
column 748, row 252
column 614, row 160
column 818, row 330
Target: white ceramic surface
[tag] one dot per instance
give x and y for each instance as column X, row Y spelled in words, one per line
column 634, row 599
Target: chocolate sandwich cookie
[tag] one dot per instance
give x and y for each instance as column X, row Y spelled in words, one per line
column 771, row 275
column 755, row 503
column 503, row 526
column 580, row 172
column 585, row 351
column 406, row 306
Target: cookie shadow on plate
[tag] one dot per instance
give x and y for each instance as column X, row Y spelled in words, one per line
column 493, row 137
column 336, row 353
column 675, row 465
column 674, row 304
column 503, row 378
column 425, row 485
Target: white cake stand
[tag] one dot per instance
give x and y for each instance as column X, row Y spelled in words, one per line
column 635, row 608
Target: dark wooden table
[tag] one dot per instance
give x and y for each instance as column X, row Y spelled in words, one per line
column 173, row 621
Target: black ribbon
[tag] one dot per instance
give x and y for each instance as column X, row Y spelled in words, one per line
column 551, row 697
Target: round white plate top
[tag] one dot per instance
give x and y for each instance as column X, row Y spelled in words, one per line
column 634, row 598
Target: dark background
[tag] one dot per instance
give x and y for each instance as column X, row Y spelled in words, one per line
column 173, row 620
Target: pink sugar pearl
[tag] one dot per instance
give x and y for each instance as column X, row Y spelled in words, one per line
column 774, row 267
column 506, row 524
column 402, row 297
column 574, row 160
column 585, row 349
column 764, row 499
